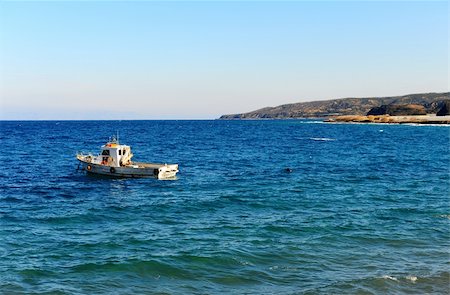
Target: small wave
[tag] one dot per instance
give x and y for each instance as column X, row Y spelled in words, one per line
column 386, row 277
column 392, row 278
column 322, row 139
column 313, row 122
column 11, row 199
column 152, row 268
column 411, row 278
column 419, row 124
column 447, row 216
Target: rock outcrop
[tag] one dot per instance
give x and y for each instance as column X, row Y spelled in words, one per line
column 398, row 110
column 445, row 109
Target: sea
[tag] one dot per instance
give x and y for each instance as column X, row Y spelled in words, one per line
column 258, row 207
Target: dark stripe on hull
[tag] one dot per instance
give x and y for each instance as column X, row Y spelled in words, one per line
column 127, row 172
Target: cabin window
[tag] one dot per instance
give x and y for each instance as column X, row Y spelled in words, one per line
column 124, row 151
column 105, row 152
column 120, row 152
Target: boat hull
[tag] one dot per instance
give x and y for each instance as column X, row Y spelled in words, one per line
column 160, row 171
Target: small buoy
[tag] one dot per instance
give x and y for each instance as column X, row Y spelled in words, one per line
column 288, row 170
column 89, row 167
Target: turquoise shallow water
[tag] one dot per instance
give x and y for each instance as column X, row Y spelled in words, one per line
column 366, row 209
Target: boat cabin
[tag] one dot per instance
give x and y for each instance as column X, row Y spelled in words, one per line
column 115, row 155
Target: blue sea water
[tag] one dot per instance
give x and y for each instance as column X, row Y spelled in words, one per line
column 365, row 209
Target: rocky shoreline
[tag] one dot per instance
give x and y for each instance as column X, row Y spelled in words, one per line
column 420, row 119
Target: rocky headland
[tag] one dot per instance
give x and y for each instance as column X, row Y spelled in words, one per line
column 430, row 108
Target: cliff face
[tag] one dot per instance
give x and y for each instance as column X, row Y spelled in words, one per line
column 398, row 110
column 432, row 103
column 445, row 109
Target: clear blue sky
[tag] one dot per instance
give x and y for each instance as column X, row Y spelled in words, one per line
column 186, row 60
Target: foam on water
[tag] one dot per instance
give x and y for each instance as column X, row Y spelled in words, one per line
column 444, row 216
column 390, row 278
column 411, row 278
column 322, row 139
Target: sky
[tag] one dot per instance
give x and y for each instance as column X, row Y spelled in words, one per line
column 201, row 59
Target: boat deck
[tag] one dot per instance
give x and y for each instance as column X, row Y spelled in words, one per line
column 146, row 165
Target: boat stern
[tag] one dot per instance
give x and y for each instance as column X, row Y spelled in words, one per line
column 167, row 171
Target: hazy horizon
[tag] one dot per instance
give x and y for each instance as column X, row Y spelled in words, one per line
column 199, row 60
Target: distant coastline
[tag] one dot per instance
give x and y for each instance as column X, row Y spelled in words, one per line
column 422, row 108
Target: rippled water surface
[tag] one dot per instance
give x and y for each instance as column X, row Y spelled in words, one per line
column 365, row 209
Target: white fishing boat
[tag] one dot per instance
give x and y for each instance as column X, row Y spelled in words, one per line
column 115, row 160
